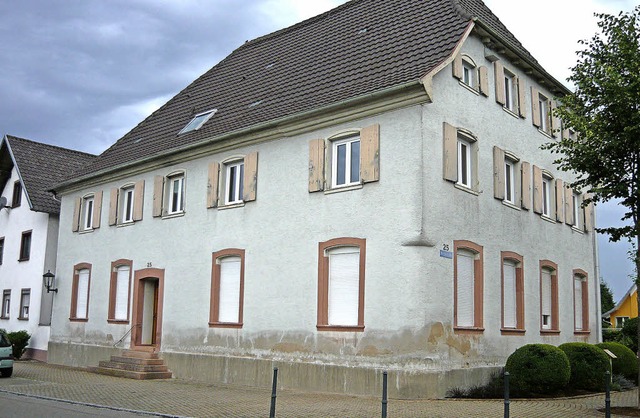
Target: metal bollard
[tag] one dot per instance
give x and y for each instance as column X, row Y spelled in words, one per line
column 384, row 395
column 272, row 412
column 506, row 395
column 607, row 396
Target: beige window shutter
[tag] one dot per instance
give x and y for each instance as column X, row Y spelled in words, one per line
column 250, row 186
column 537, row 189
column 498, row 173
column 525, row 176
column 522, row 103
column 535, row 107
column 588, row 214
column 568, row 204
column 97, row 209
column 483, row 76
column 316, row 165
column 370, row 153
column 138, row 200
column 158, row 192
column 499, row 76
column 75, row 222
column 450, row 152
column 113, row 206
column 212, row 184
column 553, row 123
column 457, row 67
column 559, row 200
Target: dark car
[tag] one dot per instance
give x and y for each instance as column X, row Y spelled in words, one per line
column 6, row 355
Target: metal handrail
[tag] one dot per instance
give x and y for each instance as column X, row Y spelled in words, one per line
column 125, row 335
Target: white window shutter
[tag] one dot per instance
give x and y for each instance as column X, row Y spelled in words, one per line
column 83, row 294
column 229, row 301
column 509, row 290
column 577, row 297
column 122, row 293
column 465, row 288
column 344, row 286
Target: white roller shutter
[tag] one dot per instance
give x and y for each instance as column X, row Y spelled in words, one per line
column 577, row 282
column 509, row 289
column 465, row 288
column 546, row 297
column 83, row 294
column 229, row 306
column 344, row 285
column 122, row 293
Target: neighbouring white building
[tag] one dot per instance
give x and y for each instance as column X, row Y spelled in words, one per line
column 362, row 191
column 29, row 233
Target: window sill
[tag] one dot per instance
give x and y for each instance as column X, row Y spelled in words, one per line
column 231, row 206
column 20, row 260
column 124, row 224
column 117, row 321
column 548, row 219
column 339, row 189
column 468, row 87
column 545, row 133
column 512, row 331
column 79, row 319
column 511, row 112
column 549, row 332
column 173, row 215
column 576, row 229
column 582, row 332
column 4, row 317
column 510, row 205
column 465, row 189
column 225, row 325
column 468, row 330
column 340, row 328
column 86, row 231
column 21, row 318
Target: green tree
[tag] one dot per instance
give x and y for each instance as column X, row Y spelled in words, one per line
column 606, row 297
column 604, row 112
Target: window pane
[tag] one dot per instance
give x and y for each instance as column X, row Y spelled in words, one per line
column 240, row 182
column 341, row 164
column 508, row 182
column 344, row 286
column 465, row 288
column 355, row 162
column 229, row 305
column 83, row 289
column 578, row 302
column 509, row 289
column 546, row 298
column 464, row 164
column 122, row 293
column 231, row 182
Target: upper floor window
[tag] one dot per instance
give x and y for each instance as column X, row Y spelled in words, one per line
column 546, row 195
column 620, row 320
column 6, row 303
column 468, row 284
column 25, row 246
column 354, row 159
column 80, row 292
column 126, row 203
column 86, row 212
column 227, row 288
column 575, row 199
column 197, row 121
column 542, row 111
column 234, row 184
column 468, row 72
column 462, row 145
column 169, row 194
column 176, row 194
column 341, row 275
column 17, row 194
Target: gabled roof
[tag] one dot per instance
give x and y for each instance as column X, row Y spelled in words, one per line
column 39, row 166
column 360, row 48
column 631, row 291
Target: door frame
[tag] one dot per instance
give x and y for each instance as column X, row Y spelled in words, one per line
column 139, row 279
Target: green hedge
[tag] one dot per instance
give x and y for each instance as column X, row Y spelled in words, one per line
column 588, row 366
column 538, row 369
column 626, row 363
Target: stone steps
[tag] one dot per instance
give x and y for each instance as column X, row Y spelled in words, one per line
column 131, row 364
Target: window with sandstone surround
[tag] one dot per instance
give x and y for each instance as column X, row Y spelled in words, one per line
column 227, row 288
column 468, row 286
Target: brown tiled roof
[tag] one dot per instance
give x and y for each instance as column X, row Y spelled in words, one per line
column 40, row 166
column 358, row 48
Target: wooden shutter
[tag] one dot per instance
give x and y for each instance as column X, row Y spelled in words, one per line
column 344, row 286
column 559, row 203
column 535, row 107
column 525, row 176
column 82, row 300
column 568, row 205
column 212, row 184
column 138, row 200
column 537, row 190
column 250, row 185
column 457, row 67
column 522, row 103
column 113, row 206
column 588, row 214
column 158, row 191
column 450, row 152
column 499, row 78
column 370, row 153
column 483, row 76
column 97, row 209
column 577, row 302
column 121, row 310
column 229, row 299
column 498, row 173
column 465, row 261
column 553, row 121
column 316, row 165
column 75, row 222
column 509, row 294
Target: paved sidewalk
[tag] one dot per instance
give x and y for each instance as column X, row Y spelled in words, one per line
column 183, row 398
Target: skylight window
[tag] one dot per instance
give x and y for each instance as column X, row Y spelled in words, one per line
column 198, row 120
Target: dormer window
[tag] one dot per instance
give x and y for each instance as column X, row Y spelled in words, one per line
column 197, row 121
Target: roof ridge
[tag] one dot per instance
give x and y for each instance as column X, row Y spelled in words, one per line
column 13, row 137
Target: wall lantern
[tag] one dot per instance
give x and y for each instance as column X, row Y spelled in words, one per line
column 49, row 281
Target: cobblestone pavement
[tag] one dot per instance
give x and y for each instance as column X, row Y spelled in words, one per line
column 184, row 398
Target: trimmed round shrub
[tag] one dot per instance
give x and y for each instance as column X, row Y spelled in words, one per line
column 626, row 363
column 538, row 369
column 588, row 366
column 20, row 341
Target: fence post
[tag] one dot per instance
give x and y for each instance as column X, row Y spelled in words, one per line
column 272, row 412
column 607, row 396
column 506, row 395
column 384, row 394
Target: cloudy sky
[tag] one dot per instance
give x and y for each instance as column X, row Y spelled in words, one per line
column 81, row 73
